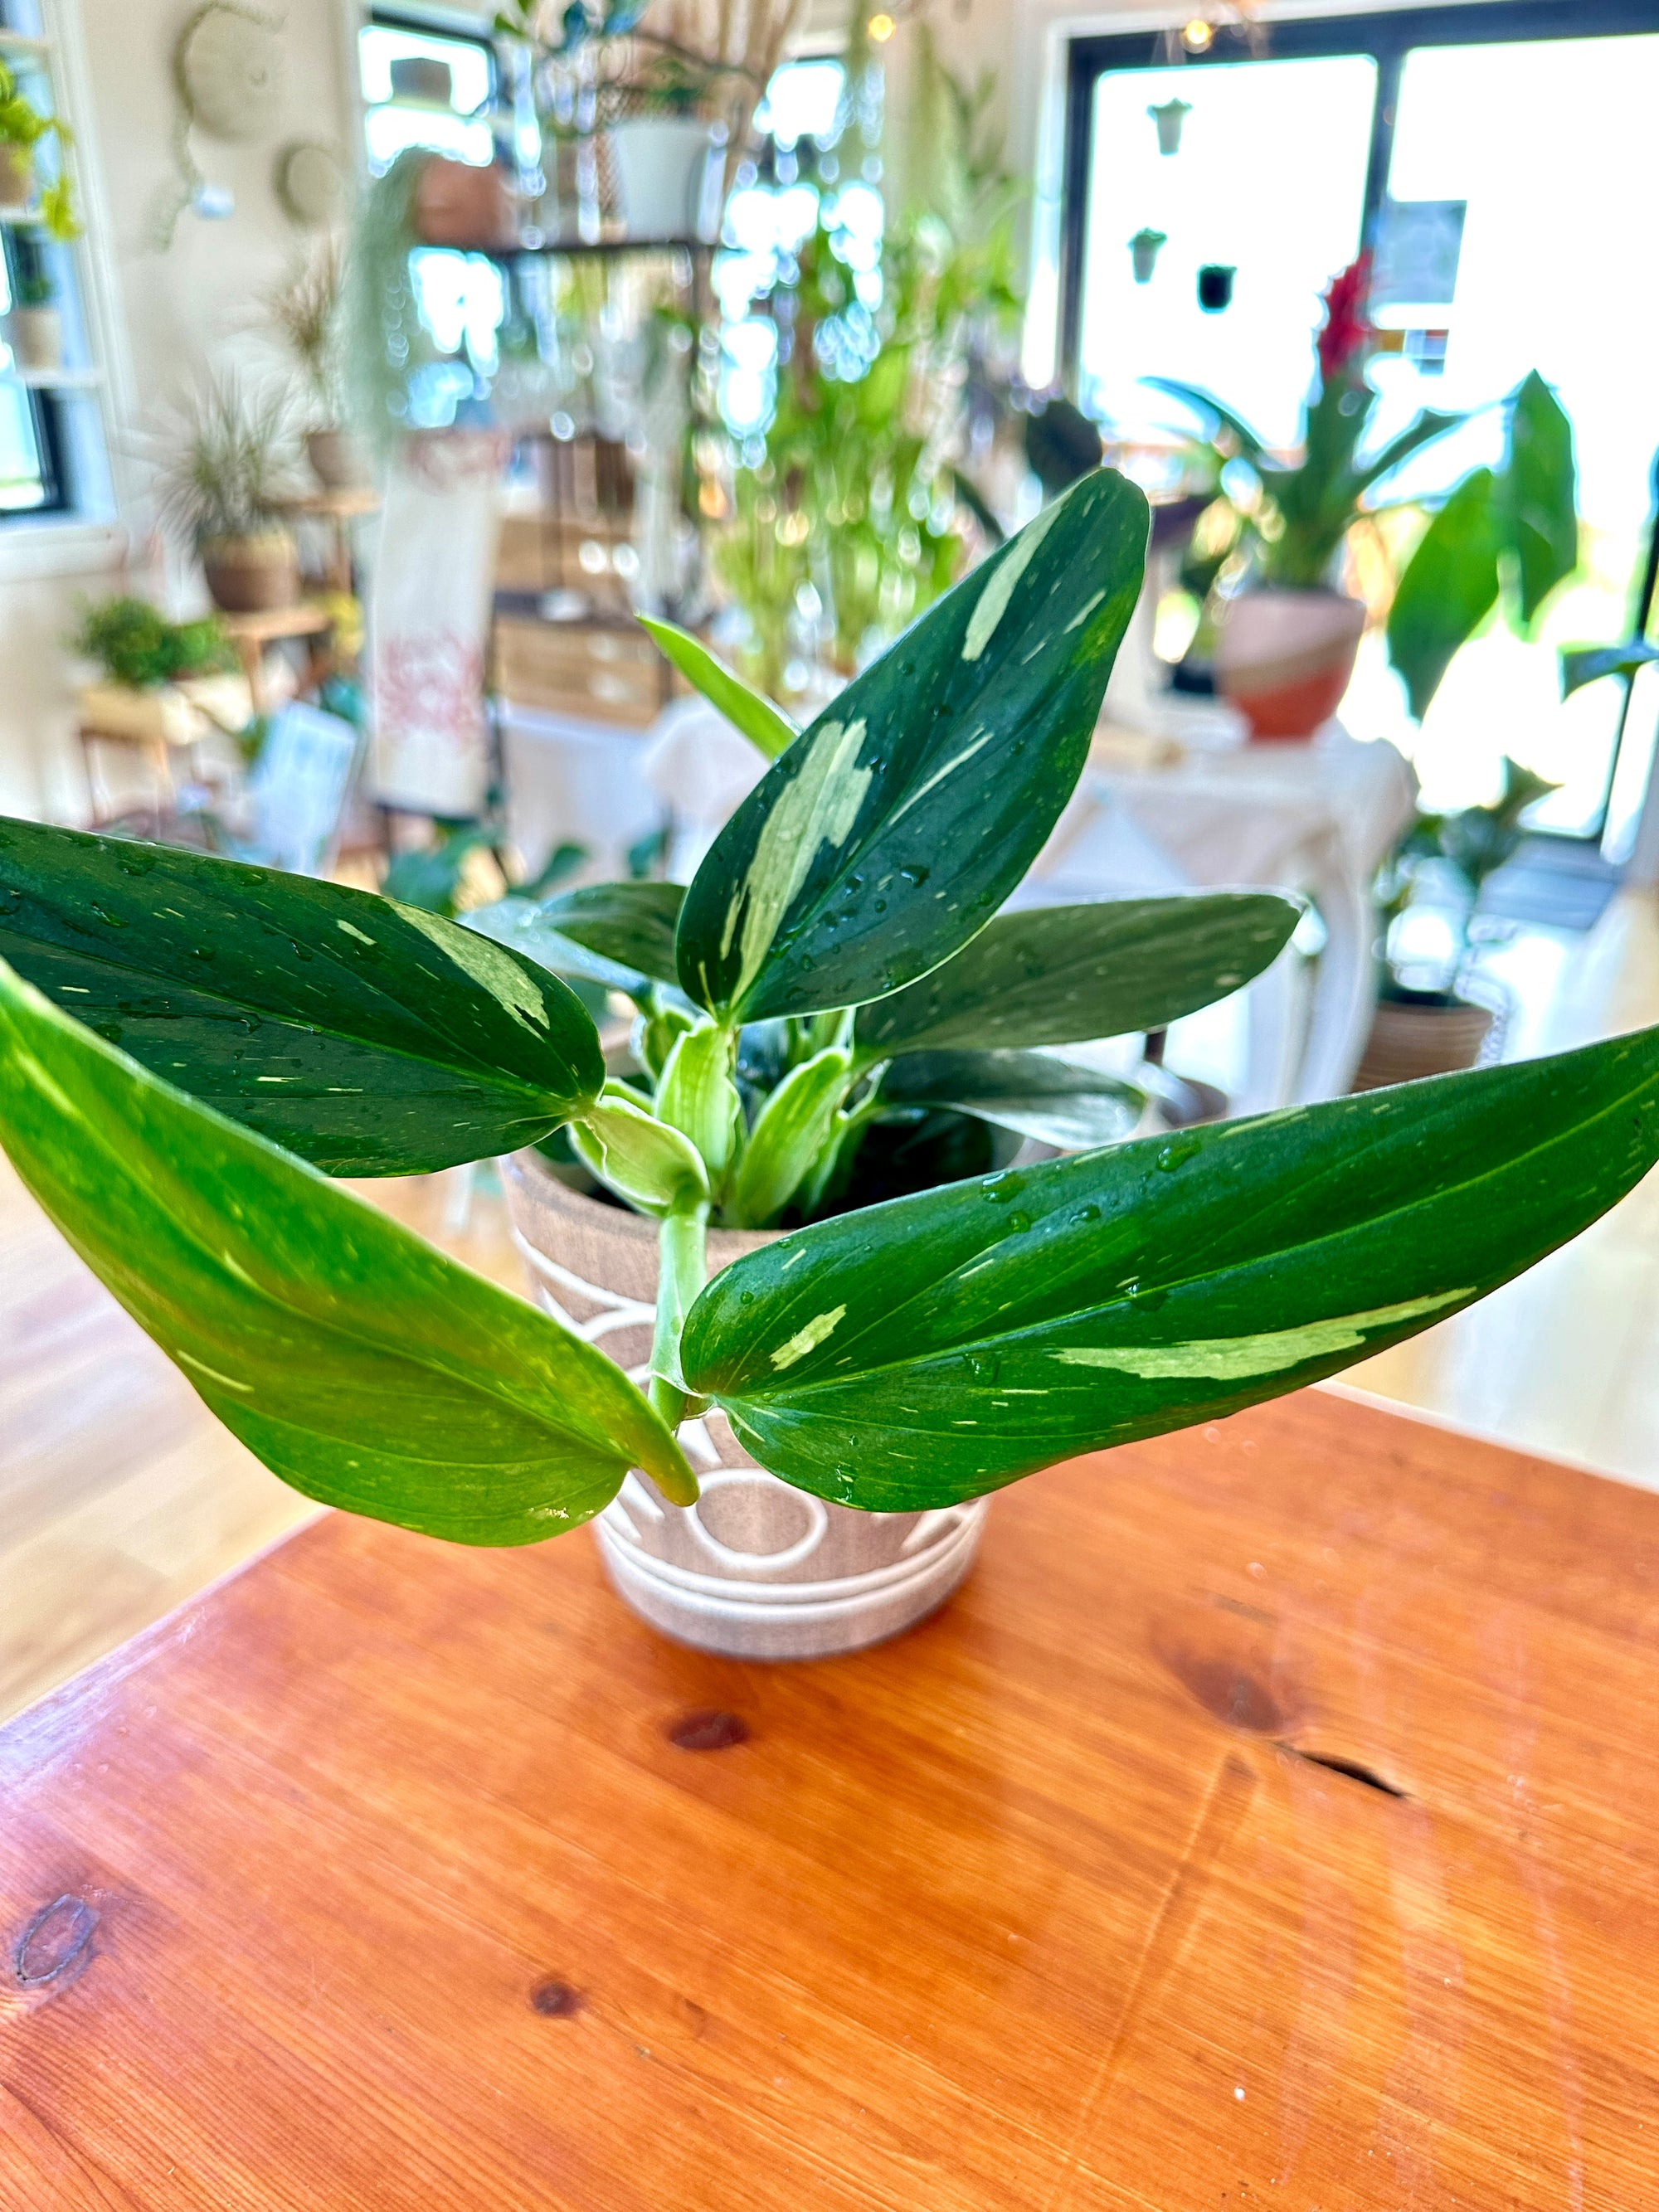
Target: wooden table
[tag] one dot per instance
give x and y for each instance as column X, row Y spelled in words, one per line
column 251, row 634
column 1273, row 1820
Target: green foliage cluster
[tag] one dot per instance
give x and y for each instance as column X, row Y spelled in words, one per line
column 134, row 643
column 844, row 528
column 1456, row 852
column 189, row 1049
column 23, row 126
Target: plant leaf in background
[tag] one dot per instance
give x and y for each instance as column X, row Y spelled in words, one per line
column 360, row 1365
column 631, row 924
column 370, row 1038
column 1055, row 1101
column 1540, row 494
column 938, row 1346
column 1590, row 662
column 765, row 727
column 890, row 833
column 1449, row 587
column 1211, row 415
column 1059, row 974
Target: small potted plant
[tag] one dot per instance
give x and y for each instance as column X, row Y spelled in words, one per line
column 189, row 1049
column 1144, row 249
column 305, row 313
column 1287, row 636
column 223, row 478
column 32, row 326
column 157, row 679
column 1427, row 1021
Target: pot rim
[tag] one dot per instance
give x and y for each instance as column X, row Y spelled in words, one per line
column 724, row 1245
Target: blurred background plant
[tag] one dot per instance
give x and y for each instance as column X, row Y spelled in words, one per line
column 134, row 643
column 1434, row 876
column 839, row 516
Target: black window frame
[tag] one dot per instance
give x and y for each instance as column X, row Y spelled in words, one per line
column 1387, row 38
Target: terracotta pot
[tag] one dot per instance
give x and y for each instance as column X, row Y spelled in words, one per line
column 16, row 177
column 250, row 576
column 458, row 205
column 1411, row 1038
column 35, row 336
column 755, row 1570
column 339, row 459
column 1285, row 657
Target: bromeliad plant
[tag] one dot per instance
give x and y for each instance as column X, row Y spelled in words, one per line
column 186, row 1043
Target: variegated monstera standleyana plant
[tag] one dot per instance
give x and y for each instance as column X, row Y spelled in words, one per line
column 185, row 1043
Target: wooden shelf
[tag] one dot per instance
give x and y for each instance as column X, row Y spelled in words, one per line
column 342, row 506
column 304, row 619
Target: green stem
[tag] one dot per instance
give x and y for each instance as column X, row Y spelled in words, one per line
column 682, row 1269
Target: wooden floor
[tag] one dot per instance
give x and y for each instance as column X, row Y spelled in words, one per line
column 120, row 1497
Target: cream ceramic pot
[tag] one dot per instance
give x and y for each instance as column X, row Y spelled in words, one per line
column 755, row 1570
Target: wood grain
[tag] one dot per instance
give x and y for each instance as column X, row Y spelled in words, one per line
column 1273, row 1818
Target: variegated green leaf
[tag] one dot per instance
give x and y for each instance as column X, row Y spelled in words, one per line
column 891, row 832
column 697, row 1095
column 371, row 1038
column 631, row 924
column 768, row 729
column 357, row 1363
column 654, row 1168
column 1061, row 974
column 934, row 1347
column 790, row 1132
column 1035, row 1093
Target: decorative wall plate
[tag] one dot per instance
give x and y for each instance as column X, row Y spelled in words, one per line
column 230, row 70
column 311, row 183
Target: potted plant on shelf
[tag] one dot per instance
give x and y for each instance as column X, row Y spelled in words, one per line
column 1428, row 1021
column 22, row 127
column 32, row 326
column 238, row 1036
column 305, row 313
column 1286, row 635
column 222, row 481
column 159, row 679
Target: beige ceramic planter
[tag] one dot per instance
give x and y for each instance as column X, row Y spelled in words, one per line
column 755, row 1570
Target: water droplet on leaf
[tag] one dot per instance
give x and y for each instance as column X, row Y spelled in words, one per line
column 1177, row 1154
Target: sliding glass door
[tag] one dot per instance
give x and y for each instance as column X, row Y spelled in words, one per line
column 1496, row 160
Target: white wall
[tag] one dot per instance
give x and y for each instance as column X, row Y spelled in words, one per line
column 168, row 312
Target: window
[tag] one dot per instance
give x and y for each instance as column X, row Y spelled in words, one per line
column 422, row 87
column 52, row 457
column 1494, row 157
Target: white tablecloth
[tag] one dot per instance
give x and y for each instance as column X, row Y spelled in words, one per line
column 1315, row 819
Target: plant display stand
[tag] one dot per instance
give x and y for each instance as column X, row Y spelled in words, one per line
column 1272, row 1815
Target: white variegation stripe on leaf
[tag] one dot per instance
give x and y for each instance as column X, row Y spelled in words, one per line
column 817, row 808
column 994, row 600
column 481, row 960
column 1237, row 1359
column 808, row 1338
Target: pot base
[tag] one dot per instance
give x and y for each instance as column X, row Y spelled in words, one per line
column 715, row 1608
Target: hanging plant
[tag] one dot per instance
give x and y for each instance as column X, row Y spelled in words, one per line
column 1169, row 119
column 1144, row 249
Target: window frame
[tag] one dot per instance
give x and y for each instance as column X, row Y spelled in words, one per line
column 1387, row 37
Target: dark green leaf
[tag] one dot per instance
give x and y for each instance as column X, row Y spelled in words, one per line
column 771, row 732
column 934, row 1348
column 1449, row 587
column 371, row 1038
column 1427, row 427
column 632, row 924
column 889, row 834
column 1059, row 974
column 1540, row 493
column 357, row 1363
column 1053, row 1100
column 1212, row 414
column 1590, row 663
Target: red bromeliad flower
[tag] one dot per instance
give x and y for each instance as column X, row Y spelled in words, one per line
column 1346, row 332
